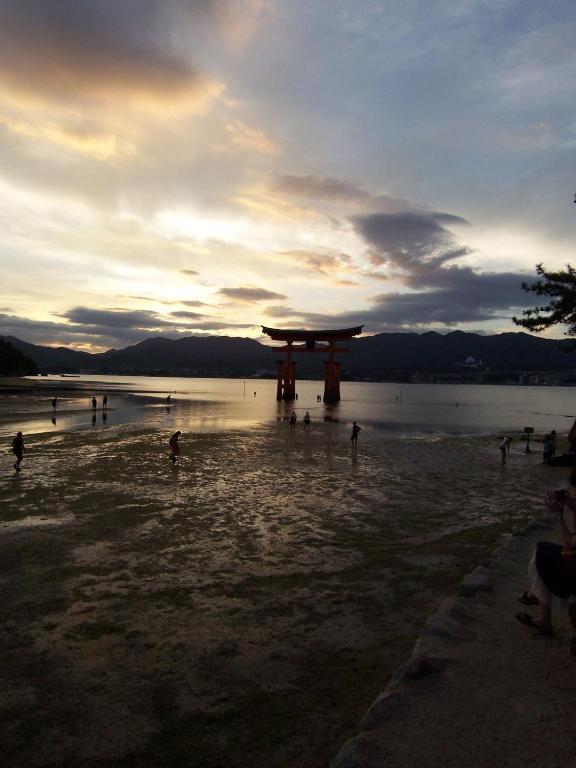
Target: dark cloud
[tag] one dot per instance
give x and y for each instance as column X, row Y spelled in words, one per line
column 186, row 315
column 419, row 249
column 323, row 188
column 189, row 272
column 250, row 295
column 417, row 243
column 337, row 191
column 66, row 48
column 115, row 318
column 105, row 329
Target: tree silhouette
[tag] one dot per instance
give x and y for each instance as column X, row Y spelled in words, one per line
column 560, row 310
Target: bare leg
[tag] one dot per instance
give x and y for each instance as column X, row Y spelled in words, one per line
column 544, row 615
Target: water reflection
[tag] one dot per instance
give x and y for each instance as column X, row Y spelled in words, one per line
column 221, row 404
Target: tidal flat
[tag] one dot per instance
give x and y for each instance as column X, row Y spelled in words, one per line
column 243, row 608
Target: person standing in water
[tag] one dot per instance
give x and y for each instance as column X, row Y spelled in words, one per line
column 54, row 402
column 174, row 444
column 504, row 449
column 94, row 403
column 306, row 420
column 354, row 436
column 293, row 419
column 105, row 402
column 18, row 450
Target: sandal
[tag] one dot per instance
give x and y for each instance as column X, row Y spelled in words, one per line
column 528, row 621
column 527, row 599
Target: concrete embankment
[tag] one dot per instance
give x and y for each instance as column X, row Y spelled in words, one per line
column 480, row 689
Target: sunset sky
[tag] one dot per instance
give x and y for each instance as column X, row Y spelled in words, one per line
column 174, row 167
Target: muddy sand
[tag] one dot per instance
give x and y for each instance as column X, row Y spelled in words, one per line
column 242, row 609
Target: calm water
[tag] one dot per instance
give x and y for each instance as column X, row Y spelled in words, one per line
column 208, row 405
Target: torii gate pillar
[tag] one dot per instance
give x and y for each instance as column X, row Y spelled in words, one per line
column 332, row 381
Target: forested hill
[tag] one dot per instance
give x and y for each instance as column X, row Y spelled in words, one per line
column 369, row 357
column 13, row 362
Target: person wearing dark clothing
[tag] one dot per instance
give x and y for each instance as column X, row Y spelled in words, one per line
column 552, row 568
column 292, row 419
column 18, row 450
column 355, row 431
column 307, row 420
column 174, row 444
column 54, row 402
column 94, row 403
column 105, row 402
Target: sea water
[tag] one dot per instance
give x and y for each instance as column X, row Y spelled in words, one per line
column 207, row 404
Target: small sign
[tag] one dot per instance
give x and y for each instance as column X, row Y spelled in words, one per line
column 528, row 430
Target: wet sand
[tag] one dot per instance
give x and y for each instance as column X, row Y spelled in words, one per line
column 243, row 608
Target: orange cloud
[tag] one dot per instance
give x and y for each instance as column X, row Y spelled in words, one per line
column 251, row 138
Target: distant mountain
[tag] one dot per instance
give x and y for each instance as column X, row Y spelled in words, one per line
column 197, row 356
column 13, row 362
column 370, row 356
column 53, row 359
column 190, row 356
column 374, row 355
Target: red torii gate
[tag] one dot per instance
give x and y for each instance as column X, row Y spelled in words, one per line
column 286, row 389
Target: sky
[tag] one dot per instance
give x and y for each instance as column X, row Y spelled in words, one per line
column 181, row 167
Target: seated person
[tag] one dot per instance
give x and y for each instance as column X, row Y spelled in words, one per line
column 552, row 568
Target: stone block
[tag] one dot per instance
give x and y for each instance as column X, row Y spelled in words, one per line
column 474, row 582
column 385, row 706
column 360, row 752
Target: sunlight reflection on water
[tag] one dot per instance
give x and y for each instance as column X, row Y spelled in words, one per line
column 223, row 404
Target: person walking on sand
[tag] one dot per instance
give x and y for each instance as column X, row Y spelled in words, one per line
column 174, row 444
column 94, row 403
column 504, row 449
column 354, row 436
column 306, row 420
column 18, row 450
column 292, row 420
column 54, row 402
column 105, row 402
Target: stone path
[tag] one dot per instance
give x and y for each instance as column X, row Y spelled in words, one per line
column 481, row 690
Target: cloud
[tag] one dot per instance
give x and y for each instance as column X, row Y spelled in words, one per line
column 250, row 295
column 322, row 262
column 283, row 311
column 251, row 138
column 67, row 50
column 414, row 242
column 192, row 272
column 115, row 318
column 419, row 250
column 186, row 315
column 323, row 188
column 96, row 330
